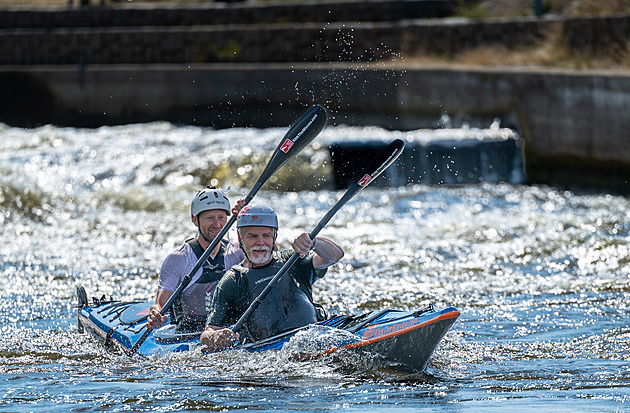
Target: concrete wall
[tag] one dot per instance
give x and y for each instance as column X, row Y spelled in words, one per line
column 572, row 123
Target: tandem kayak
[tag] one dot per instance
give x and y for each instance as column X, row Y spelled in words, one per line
column 400, row 340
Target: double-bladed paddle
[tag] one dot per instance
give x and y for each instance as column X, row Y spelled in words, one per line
column 378, row 165
column 296, row 138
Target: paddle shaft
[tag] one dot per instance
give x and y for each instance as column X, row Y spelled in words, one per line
column 378, row 165
column 296, row 138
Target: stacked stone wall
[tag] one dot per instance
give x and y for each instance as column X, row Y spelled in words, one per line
column 305, row 42
column 222, row 14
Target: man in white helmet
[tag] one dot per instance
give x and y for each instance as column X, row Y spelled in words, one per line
column 289, row 304
column 209, row 212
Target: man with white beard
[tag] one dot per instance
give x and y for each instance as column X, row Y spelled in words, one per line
column 289, row 304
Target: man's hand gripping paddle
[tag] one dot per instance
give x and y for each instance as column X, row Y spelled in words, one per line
column 297, row 138
column 378, row 165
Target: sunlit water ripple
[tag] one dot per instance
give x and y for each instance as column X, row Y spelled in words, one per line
column 540, row 276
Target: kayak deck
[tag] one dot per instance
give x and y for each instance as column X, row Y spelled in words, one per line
column 401, row 340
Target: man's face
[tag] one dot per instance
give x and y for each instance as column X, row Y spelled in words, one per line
column 211, row 222
column 258, row 243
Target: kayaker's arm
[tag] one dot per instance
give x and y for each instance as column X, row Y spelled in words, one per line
column 217, row 338
column 155, row 320
column 326, row 252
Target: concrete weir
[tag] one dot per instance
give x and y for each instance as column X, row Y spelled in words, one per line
column 573, row 124
column 442, row 156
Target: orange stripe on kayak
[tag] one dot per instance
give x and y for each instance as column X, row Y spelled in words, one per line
column 447, row 316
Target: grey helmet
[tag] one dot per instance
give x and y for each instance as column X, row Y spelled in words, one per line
column 257, row 216
column 207, row 199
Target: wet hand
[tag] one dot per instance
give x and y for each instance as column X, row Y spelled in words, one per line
column 155, row 319
column 218, row 339
column 303, row 244
column 238, row 206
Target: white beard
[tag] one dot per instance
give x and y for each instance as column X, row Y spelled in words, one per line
column 260, row 259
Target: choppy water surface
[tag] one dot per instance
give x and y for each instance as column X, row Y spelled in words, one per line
column 541, row 278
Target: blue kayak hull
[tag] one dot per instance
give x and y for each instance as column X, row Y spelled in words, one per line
column 401, row 340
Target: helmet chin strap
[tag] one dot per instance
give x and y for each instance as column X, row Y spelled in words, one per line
column 199, row 232
column 204, row 236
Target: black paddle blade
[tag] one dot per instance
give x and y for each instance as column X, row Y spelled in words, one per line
column 381, row 162
column 297, row 137
column 374, row 169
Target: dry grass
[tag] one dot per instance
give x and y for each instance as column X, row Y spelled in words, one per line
column 542, row 56
column 538, row 57
column 551, row 51
column 570, row 8
column 596, row 7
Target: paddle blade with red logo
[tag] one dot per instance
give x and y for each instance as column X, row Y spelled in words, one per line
column 381, row 162
column 384, row 159
column 297, row 137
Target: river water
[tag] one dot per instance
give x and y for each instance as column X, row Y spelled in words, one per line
column 540, row 276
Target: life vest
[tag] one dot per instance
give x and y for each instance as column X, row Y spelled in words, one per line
column 190, row 313
column 285, row 307
column 213, row 268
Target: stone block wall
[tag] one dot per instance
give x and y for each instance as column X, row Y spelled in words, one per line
column 290, row 42
column 224, row 14
column 611, row 33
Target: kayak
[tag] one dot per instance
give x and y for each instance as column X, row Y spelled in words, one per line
column 400, row 340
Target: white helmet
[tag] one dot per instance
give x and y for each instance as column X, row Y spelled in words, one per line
column 207, row 199
column 257, row 216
